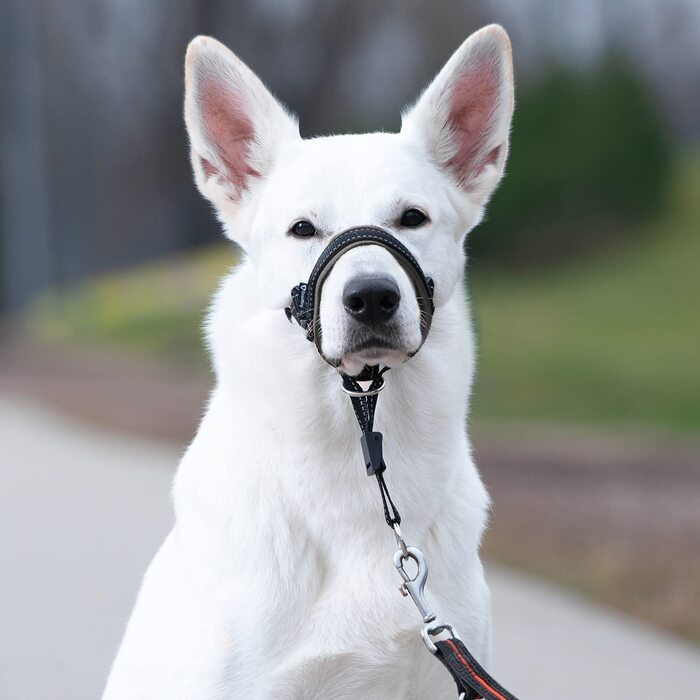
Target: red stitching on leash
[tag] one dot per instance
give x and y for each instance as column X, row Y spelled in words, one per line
column 466, row 664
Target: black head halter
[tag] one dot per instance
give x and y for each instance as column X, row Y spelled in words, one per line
column 306, row 296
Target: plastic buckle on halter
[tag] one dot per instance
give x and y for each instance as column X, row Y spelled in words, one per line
column 371, row 442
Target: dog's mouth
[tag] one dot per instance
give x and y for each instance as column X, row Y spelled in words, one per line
column 371, row 350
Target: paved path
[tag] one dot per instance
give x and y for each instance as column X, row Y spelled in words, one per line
column 82, row 511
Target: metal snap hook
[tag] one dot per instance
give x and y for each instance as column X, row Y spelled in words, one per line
column 414, row 587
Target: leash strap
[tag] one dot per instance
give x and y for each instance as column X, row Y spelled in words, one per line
column 473, row 682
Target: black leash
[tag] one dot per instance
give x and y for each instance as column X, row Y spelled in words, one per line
column 473, row 682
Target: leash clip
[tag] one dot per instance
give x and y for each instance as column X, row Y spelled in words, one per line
column 414, row 587
column 433, row 629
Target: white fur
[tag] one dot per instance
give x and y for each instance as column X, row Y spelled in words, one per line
column 277, row 579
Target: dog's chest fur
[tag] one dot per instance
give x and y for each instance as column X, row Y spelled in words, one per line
column 280, row 564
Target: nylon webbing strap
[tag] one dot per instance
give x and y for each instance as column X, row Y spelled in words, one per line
column 364, row 407
column 468, row 674
column 366, row 404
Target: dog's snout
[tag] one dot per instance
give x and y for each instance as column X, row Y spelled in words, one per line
column 371, row 300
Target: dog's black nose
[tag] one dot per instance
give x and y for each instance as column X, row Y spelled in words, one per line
column 371, row 300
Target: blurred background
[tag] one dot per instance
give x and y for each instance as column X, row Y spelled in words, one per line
column 584, row 275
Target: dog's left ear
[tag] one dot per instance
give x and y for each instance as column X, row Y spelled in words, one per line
column 464, row 115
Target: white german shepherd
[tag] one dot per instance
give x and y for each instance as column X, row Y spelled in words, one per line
column 277, row 579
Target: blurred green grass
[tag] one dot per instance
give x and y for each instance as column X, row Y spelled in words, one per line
column 614, row 339
column 610, row 340
column 156, row 309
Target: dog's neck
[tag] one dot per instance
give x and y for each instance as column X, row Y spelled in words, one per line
column 273, row 387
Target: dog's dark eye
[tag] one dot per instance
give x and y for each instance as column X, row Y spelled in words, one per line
column 303, row 229
column 413, row 218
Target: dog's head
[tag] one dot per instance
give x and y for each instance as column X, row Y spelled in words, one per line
column 282, row 198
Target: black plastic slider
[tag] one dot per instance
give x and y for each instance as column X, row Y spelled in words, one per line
column 372, row 452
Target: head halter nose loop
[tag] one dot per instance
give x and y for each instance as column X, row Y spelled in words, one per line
column 306, row 296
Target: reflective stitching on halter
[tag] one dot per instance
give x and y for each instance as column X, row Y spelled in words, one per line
column 306, row 296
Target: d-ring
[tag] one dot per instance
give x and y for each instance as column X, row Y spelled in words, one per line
column 364, row 392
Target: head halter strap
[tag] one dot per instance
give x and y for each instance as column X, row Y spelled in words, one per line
column 306, row 296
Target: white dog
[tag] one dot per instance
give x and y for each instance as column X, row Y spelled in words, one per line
column 277, row 579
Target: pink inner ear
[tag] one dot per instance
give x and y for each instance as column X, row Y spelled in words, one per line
column 472, row 107
column 230, row 131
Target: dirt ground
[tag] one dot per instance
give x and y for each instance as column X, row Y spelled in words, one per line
column 616, row 516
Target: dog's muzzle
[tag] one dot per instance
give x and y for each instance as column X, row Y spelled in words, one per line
column 306, row 296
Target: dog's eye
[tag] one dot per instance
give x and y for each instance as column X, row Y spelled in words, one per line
column 413, row 218
column 303, row 229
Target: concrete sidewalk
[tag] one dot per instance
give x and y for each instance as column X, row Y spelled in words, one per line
column 82, row 512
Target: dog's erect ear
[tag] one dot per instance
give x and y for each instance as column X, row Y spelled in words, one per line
column 464, row 115
column 235, row 125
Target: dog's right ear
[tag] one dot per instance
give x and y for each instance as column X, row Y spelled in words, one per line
column 235, row 125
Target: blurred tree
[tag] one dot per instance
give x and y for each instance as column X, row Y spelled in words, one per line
column 588, row 157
